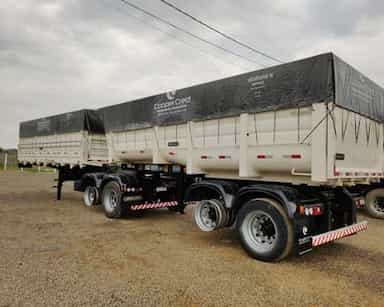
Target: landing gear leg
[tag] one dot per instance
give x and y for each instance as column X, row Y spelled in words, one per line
column 60, row 181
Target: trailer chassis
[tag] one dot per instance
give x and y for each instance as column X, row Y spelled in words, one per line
column 272, row 220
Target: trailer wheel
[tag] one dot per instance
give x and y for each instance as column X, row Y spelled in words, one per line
column 91, row 196
column 210, row 215
column 374, row 202
column 112, row 200
column 265, row 230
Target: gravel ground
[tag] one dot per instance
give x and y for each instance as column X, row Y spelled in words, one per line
column 64, row 254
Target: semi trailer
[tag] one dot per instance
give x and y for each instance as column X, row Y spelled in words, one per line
column 273, row 153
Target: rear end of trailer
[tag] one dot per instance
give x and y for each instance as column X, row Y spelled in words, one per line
column 270, row 152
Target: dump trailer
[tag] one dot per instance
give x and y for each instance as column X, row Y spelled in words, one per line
column 271, row 152
column 73, row 142
column 74, row 139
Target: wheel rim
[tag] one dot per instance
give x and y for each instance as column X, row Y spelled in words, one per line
column 90, row 196
column 379, row 204
column 260, row 231
column 111, row 200
column 210, row 215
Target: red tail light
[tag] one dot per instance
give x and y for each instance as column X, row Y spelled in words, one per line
column 312, row 210
column 295, row 156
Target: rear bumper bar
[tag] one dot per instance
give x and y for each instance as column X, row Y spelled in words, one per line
column 338, row 233
column 306, row 244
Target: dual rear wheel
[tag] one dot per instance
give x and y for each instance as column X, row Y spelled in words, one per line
column 263, row 226
column 265, row 231
column 111, row 199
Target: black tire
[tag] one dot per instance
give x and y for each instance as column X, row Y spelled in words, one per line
column 91, row 196
column 112, row 200
column 277, row 235
column 374, row 208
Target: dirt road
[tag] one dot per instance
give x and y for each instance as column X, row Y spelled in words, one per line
column 64, row 254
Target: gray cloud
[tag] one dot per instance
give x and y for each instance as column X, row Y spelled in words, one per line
column 63, row 55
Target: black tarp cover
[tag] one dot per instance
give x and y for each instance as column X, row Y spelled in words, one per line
column 322, row 78
column 289, row 85
column 77, row 121
column 356, row 92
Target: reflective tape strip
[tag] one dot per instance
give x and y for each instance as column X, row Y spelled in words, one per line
column 338, row 233
column 154, row 205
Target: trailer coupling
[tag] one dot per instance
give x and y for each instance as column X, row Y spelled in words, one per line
column 306, row 244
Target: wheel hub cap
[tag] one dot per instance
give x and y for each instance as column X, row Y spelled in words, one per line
column 260, row 231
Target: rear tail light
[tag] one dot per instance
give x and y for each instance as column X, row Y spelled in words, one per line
column 263, row 156
column 296, row 156
column 311, row 210
column 359, row 202
column 222, row 157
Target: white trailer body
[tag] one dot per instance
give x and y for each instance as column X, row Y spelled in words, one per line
column 75, row 138
column 316, row 121
column 321, row 144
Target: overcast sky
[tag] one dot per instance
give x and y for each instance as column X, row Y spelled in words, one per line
column 65, row 55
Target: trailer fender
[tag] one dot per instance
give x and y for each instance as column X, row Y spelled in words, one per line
column 92, row 179
column 247, row 193
column 214, row 189
column 123, row 179
column 115, row 178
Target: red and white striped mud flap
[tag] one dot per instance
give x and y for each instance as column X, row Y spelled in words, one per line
column 148, row 205
column 338, row 233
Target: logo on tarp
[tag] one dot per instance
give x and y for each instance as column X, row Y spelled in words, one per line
column 172, row 106
column 43, row 125
column 257, row 84
column 69, row 116
column 171, row 94
column 261, row 77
